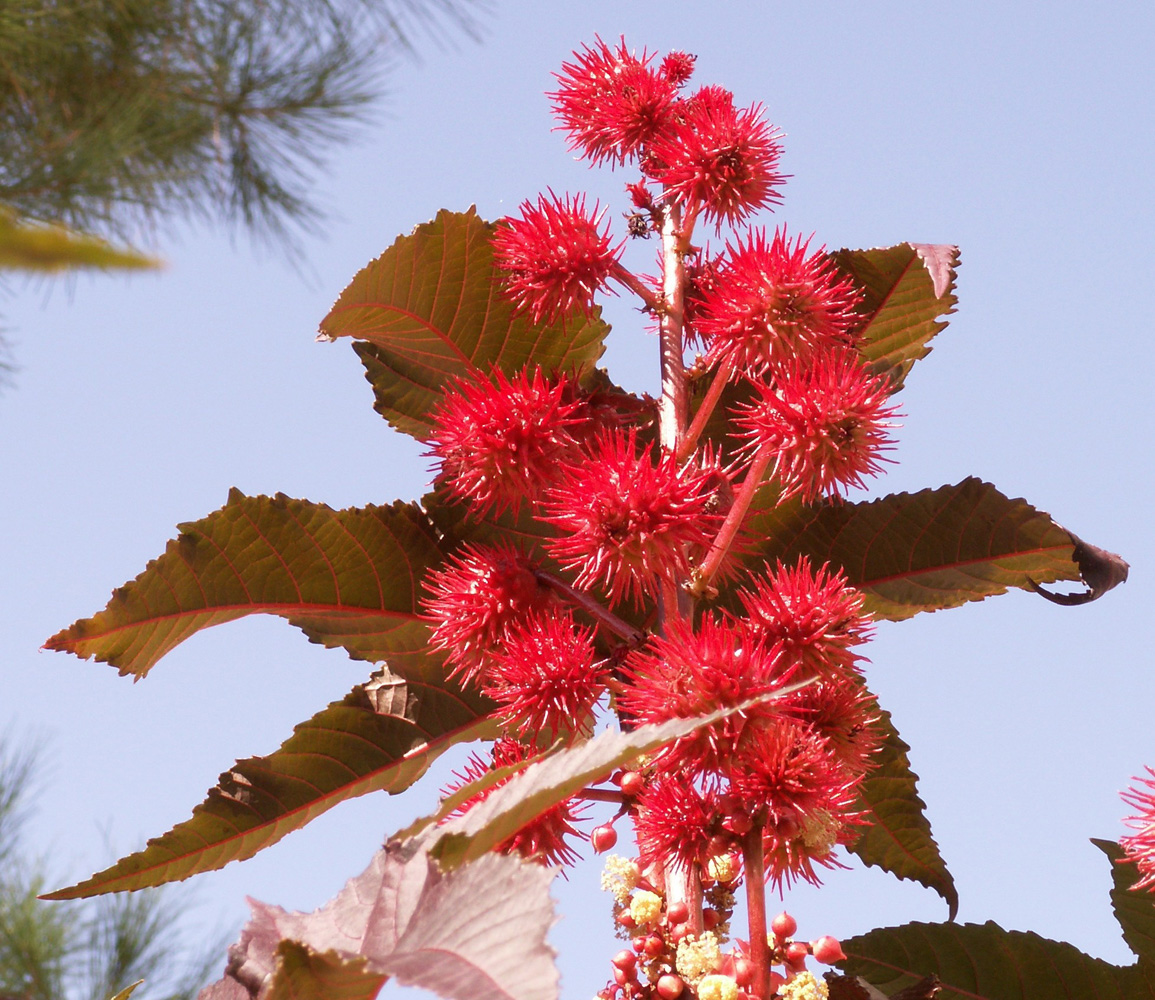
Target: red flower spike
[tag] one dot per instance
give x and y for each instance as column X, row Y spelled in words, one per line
column 674, row 822
column 1140, row 846
column 554, row 256
column 500, row 440
column 474, row 598
column 611, row 102
column 685, row 674
column 545, row 676
column 718, row 158
column 628, row 520
column 816, row 617
column 825, row 424
column 768, row 304
column 543, row 839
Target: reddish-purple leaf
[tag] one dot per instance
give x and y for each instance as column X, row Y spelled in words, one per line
column 912, row 552
column 475, row 933
column 431, row 308
column 907, row 289
column 349, row 578
column 899, row 838
column 381, row 737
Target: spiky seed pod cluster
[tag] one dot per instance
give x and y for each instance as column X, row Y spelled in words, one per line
column 609, row 520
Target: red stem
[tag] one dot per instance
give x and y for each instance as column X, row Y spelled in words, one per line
column 672, row 405
column 729, row 530
column 598, row 612
column 637, row 286
column 754, row 864
column 713, row 394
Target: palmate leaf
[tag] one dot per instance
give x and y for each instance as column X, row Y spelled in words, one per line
column 985, row 962
column 912, row 552
column 475, row 933
column 381, row 737
column 303, row 974
column 899, row 838
column 431, row 308
column 348, row 578
column 907, row 289
column 1134, row 908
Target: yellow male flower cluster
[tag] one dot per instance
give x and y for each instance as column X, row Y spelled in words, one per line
column 621, row 877
column 718, row 988
column 698, row 957
column 804, row 987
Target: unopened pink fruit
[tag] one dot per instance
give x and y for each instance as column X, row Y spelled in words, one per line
column 632, row 783
column 670, row 987
column 784, row 925
column 603, row 838
column 827, row 950
column 625, row 960
column 678, row 913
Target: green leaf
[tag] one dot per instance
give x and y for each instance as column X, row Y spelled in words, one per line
column 906, row 288
column 304, row 974
column 381, row 737
column 431, row 308
column 912, row 552
column 348, row 578
column 985, row 962
column 33, row 247
column 1134, row 909
column 899, row 839
column 544, row 783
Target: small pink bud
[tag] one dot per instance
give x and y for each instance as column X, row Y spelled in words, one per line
column 621, row 977
column 796, row 952
column 639, row 943
column 678, row 913
column 827, row 950
column 743, row 971
column 711, row 919
column 670, row 987
column 626, row 960
column 603, row 838
column 632, row 783
column 626, row 919
column 739, row 824
column 784, row 925
column 654, row 946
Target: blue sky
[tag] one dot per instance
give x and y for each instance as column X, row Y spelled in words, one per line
column 1021, row 132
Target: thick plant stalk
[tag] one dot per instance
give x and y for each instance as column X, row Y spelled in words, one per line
column 754, row 865
column 672, row 405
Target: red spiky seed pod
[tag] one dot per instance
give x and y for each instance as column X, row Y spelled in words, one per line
column 718, row 158
column 691, row 672
column 825, row 424
column 500, row 440
column 473, row 598
column 1139, row 847
column 555, row 257
column 628, row 520
column 770, row 303
column 816, row 617
column 545, row 676
column 673, row 824
column 611, row 102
